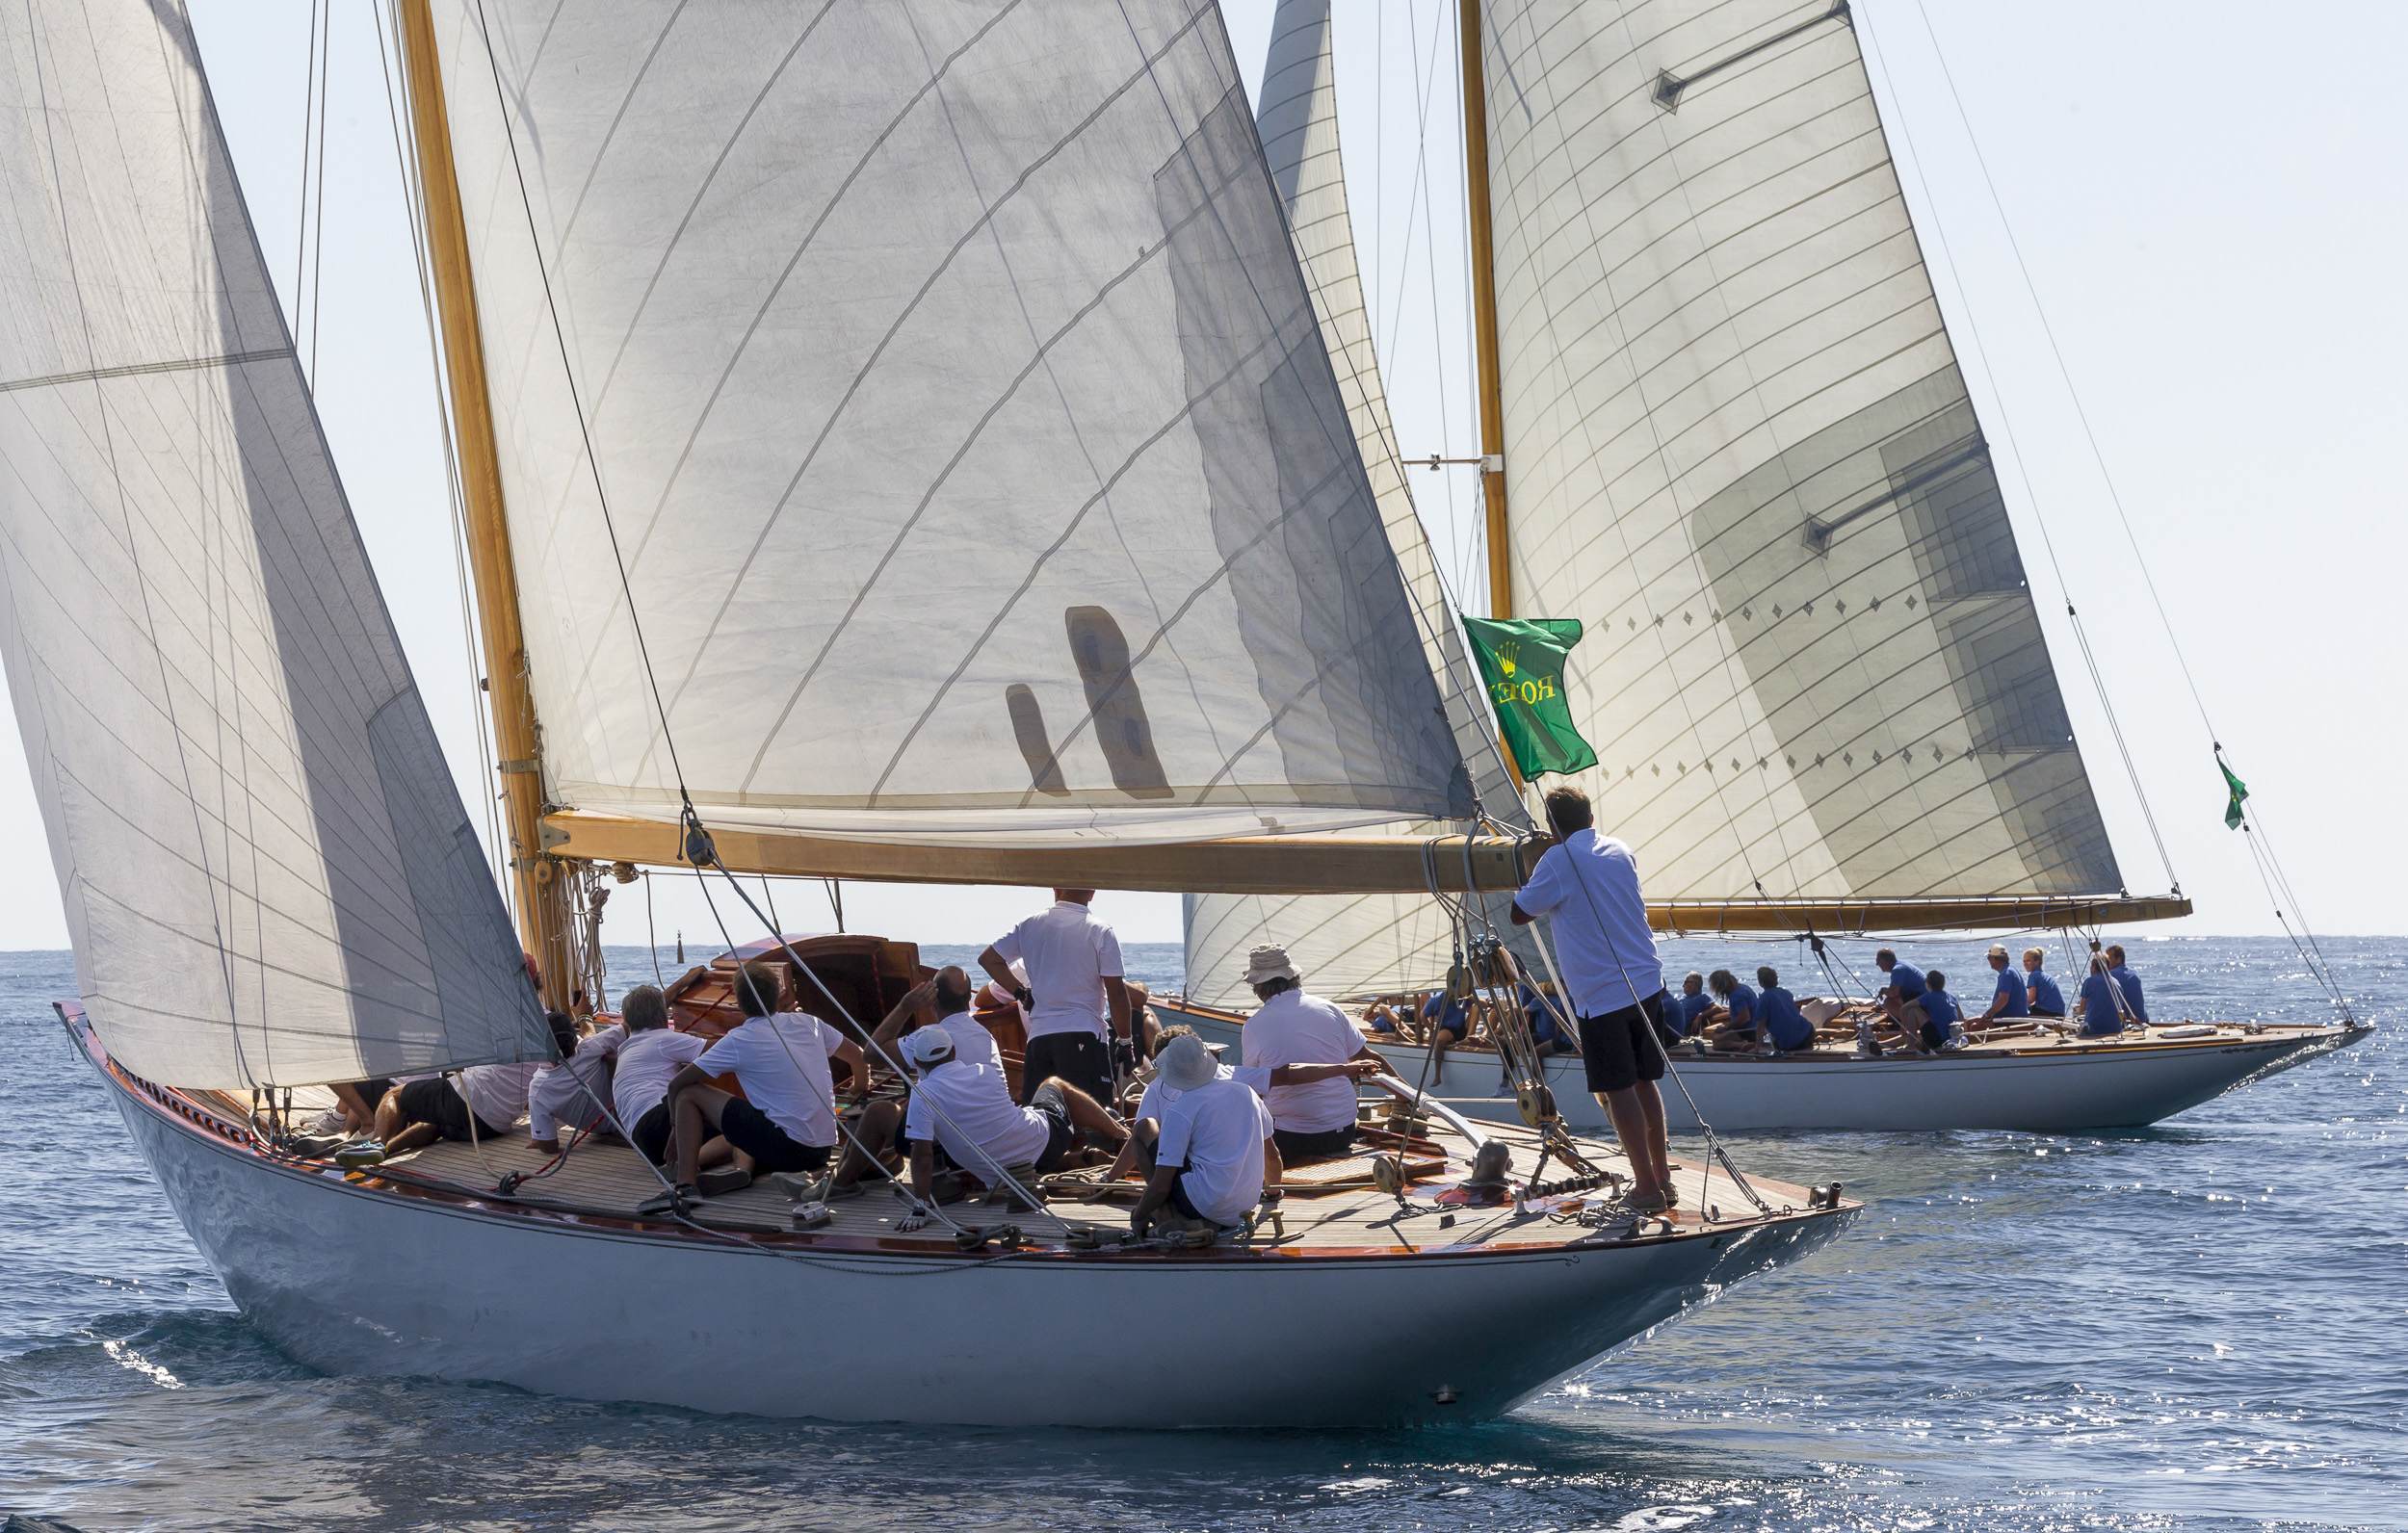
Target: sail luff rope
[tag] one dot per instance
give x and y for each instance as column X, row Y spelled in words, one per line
column 318, row 215
column 310, row 113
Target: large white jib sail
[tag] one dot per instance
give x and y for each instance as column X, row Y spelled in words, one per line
column 1356, row 943
column 1739, row 449
column 942, row 379
column 266, row 868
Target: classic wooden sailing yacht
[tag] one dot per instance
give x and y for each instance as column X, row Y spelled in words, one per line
column 896, row 442
column 1722, row 424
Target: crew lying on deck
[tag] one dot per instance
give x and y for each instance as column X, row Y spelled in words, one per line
column 1446, row 1021
column 1732, row 1023
column 1781, row 1026
column 1389, row 1021
column 2047, row 1000
column 1316, row 1120
column 2008, row 998
column 2134, row 1009
column 1072, row 963
column 2100, row 1006
column 1940, row 1012
column 574, row 1090
column 1693, row 1003
column 647, row 1061
column 1901, row 998
column 786, row 1119
column 481, row 1102
column 1215, row 1147
column 1160, row 1092
column 965, row 1110
column 356, row 1104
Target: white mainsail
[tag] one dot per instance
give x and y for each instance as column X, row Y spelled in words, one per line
column 266, row 868
column 1737, row 447
column 942, row 373
column 1349, row 945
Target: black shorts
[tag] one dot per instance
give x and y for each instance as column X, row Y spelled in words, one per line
column 435, row 1101
column 372, row 1090
column 770, row 1148
column 1180, row 1201
column 1326, row 1144
column 1060, row 1132
column 1934, row 1036
column 649, row 1133
column 1623, row 1048
column 1077, row 1057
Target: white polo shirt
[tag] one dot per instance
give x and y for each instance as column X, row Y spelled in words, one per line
column 573, row 1091
column 1068, row 954
column 781, row 1063
column 1217, row 1132
column 497, row 1094
column 971, row 1041
column 963, row 1107
column 1294, row 1028
column 1588, row 884
column 647, row 1061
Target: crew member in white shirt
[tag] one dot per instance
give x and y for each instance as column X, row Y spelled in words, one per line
column 1588, row 884
column 786, row 1119
column 647, row 1061
column 1315, row 1119
column 576, row 1090
column 964, row 1108
column 1074, row 983
column 1217, row 1150
column 948, row 993
column 1146, row 1124
column 479, row 1103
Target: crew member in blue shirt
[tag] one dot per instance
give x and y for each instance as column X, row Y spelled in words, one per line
column 1588, row 884
column 1738, row 1028
column 1445, row 1023
column 1940, row 1012
column 1778, row 1016
column 2007, row 999
column 1545, row 1032
column 1693, row 1003
column 2126, row 980
column 2101, row 1002
column 1901, row 998
column 2047, row 1000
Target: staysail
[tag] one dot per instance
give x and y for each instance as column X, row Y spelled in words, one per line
column 1738, row 447
column 1348, row 945
column 266, row 868
column 942, row 379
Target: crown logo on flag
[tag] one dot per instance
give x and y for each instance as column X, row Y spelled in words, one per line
column 1504, row 659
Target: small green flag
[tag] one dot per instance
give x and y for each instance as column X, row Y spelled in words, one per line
column 2240, row 791
column 1521, row 659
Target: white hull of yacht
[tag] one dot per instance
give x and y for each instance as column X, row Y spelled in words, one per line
column 2044, row 1088
column 358, row 1279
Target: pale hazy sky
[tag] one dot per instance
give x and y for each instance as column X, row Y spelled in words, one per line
column 2211, row 213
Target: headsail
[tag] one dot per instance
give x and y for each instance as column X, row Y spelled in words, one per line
column 267, row 871
column 944, row 377
column 1348, row 945
column 1738, row 447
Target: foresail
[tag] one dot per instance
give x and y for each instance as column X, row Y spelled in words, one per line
column 267, row 872
column 943, row 378
column 1739, row 449
column 1348, row 945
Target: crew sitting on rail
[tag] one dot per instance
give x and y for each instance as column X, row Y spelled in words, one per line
column 1901, row 998
column 1546, row 1032
column 647, row 1060
column 1783, row 1027
column 1446, row 1021
column 2047, row 1000
column 1694, row 1003
column 964, row 1108
column 1732, row 1024
column 1941, row 1015
column 2128, row 982
column 2007, row 999
column 2101, row 1001
column 786, row 1119
column 1315, row 1120
column 1215, row 1147
column 577, row 1090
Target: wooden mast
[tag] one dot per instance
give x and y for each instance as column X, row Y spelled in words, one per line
column 537, row 876
column 1485, row 311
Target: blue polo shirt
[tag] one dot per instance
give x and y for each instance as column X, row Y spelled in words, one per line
column 1941, row 1010
column 1690, row 1008
column 1909, row 981
column 2045, row 996
column 1442, row 1010
column 2011, row 991
column 1741, row 1002
column 2099, row 1016
column 2130, row 985
column 1776, row 1011
column 1543, row 1029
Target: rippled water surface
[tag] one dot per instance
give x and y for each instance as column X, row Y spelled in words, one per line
column 2197, row 1324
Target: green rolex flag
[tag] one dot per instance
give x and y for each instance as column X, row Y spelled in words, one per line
column 1522, row 659
column 2240, row 791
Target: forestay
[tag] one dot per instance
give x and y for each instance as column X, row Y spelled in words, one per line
column 1739, row 449
column 943, row 378
column 1349, row 945
column 267, row 872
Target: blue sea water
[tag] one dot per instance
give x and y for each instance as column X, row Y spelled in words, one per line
column 2195, row 1325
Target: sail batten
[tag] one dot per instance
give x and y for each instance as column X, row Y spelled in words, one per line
column 265, row 872
column 1737, row 447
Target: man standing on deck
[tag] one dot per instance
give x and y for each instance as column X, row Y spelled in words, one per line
column 1589, row 885
column 2008, row 1000
column 1074, row 969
